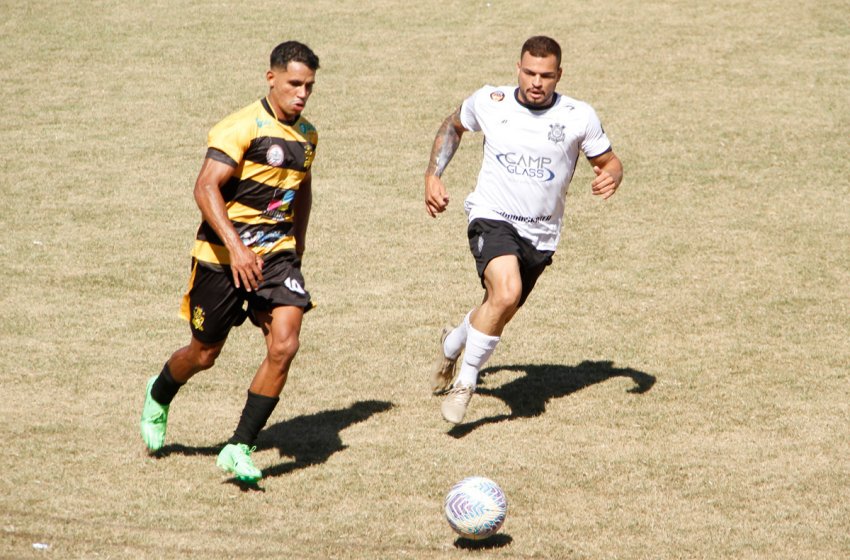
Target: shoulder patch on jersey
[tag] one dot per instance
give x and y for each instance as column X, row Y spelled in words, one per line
column 497, row 96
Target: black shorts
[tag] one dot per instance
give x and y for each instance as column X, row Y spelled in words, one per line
column 214, row 305
column 489, row 239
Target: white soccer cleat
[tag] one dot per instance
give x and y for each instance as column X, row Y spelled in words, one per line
column 456, row 402
column 444, row 368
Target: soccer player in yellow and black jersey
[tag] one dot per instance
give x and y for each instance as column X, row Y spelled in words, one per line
column 254, row 193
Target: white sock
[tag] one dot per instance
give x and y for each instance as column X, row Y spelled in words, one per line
column 456, row 339
column 479, row 348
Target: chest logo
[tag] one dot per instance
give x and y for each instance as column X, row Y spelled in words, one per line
column 532, row 167
column 497, row 96
column 556, row 133
column 274, row 155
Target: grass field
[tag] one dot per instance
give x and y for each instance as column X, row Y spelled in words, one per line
column 678, row 385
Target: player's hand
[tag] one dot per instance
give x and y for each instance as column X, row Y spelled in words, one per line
column 247, row 268
column 604, row 184
column 436, row 197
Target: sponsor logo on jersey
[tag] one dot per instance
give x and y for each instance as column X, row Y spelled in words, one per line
column 265, row 240
column 198, row 318
column 294, row 286
column 262, row 122
column 556, row 133
column 270, row 239
column 279, row 208
column 497, row 96
column 274, row 155
column 249, row 238
column 527, row 166
column 524, row 219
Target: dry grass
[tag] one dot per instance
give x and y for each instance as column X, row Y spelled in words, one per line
column 677, row 386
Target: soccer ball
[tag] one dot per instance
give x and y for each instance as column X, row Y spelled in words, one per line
column 476, row 507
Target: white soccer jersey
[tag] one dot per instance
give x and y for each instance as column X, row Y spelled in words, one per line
column 529, row 159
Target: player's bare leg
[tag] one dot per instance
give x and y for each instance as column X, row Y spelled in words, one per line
column 196, row 357
column 281, row 328
column 503, row 290
column 161, row 389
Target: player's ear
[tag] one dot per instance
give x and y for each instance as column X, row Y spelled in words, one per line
column 270, row 75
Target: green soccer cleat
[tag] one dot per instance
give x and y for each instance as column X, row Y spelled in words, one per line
column 236, row 458
column 154, row 420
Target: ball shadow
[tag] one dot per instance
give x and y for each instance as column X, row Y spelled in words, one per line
column 498, row 540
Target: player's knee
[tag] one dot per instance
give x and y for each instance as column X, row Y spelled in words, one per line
column 506, row 298
column 283, row 349
column 205, row 357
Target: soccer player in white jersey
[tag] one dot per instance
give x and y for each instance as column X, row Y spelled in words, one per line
column 532, row 140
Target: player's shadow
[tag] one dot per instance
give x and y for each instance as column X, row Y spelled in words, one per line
column 305, row 440
column 528, row 395
column 312, row 439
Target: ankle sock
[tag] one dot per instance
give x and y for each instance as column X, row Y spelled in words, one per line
column 165, row 388
column 479, row 348
column 256, row 413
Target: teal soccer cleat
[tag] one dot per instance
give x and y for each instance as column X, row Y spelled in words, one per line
column 154, row 420
column 235, row 458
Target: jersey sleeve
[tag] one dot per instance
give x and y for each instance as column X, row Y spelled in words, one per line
column 595, row 141
column 231, row 136
column 468, row 110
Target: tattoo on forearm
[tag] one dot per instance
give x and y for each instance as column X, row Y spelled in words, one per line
column 445, row 146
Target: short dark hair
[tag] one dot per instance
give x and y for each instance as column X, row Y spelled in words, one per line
column 541, row 46
column 293, row 51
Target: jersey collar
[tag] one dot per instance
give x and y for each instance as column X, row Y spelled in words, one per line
column 268, row 107
column 555, row 97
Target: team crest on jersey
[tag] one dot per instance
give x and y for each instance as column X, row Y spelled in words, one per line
column 497, row 96
column 556, row 133
column 309, row 154
column 198, row 318
column 274, row 155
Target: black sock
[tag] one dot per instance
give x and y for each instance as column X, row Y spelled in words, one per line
column 164, row 388
column 254, row 416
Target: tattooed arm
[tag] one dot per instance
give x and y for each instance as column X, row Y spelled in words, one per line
column 445, row 146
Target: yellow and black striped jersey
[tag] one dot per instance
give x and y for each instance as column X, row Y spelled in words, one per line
column 271, row 159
